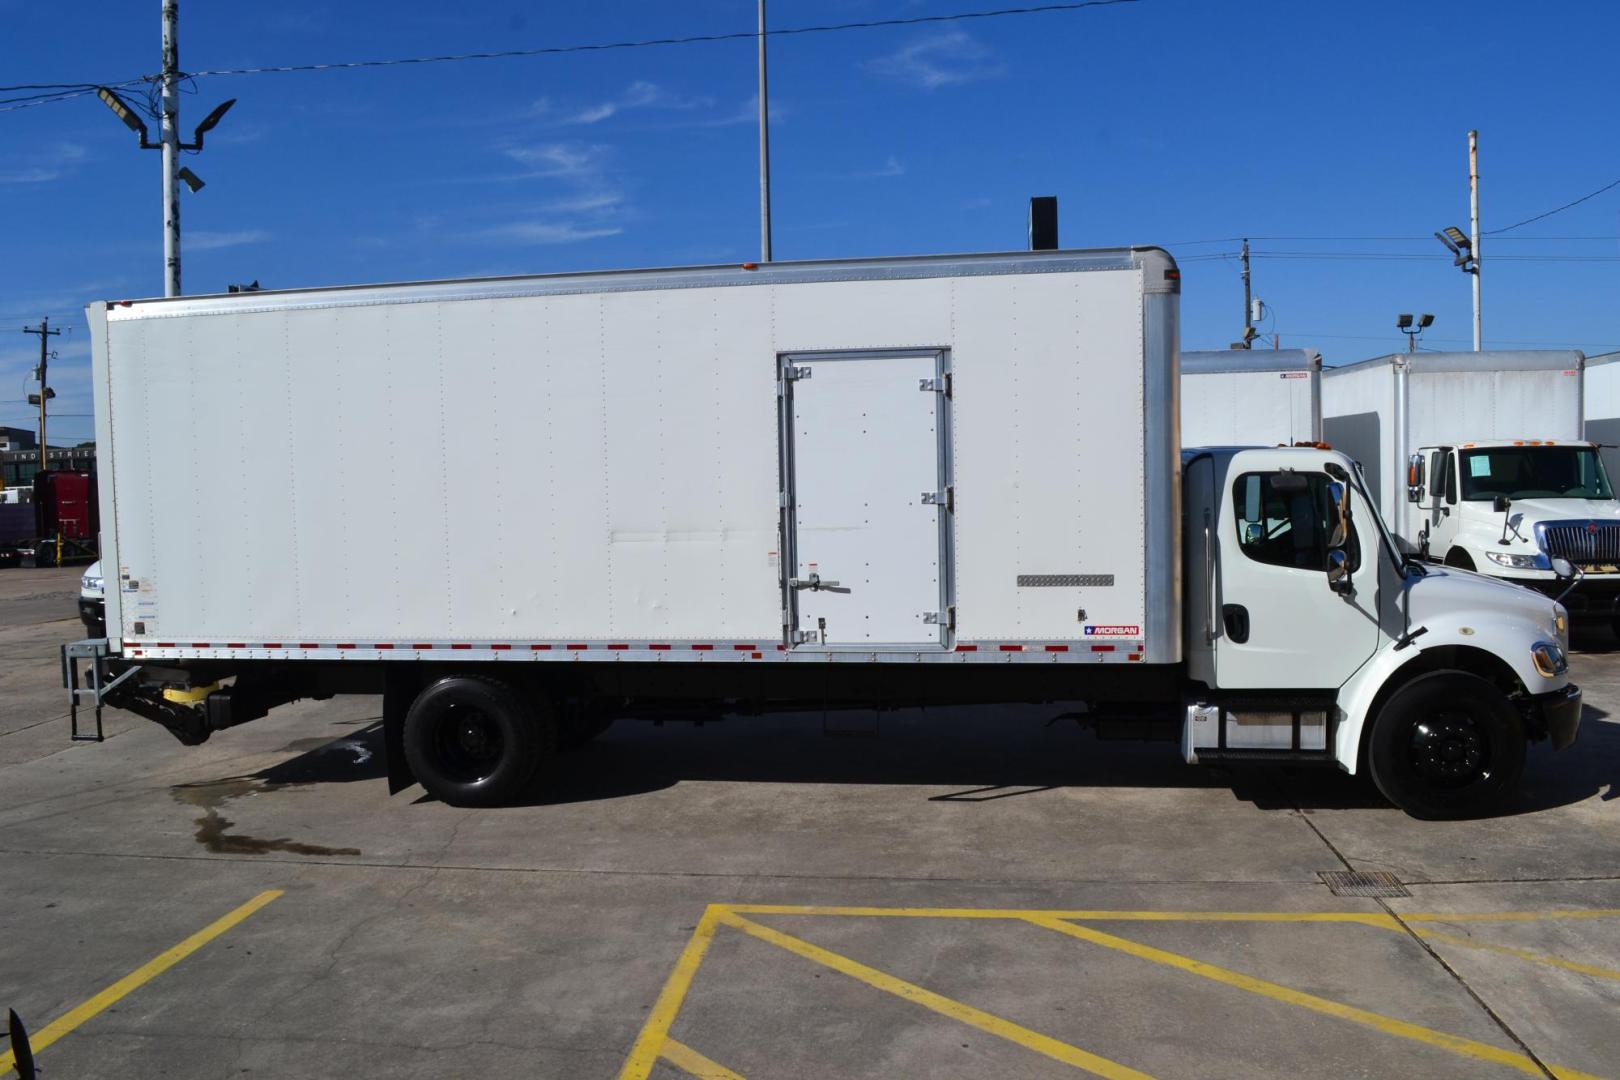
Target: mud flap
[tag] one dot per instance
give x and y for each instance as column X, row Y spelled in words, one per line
column 400, row 685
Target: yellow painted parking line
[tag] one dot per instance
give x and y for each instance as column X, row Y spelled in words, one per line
column 137, row 978
column 655, row 1032
column 956, row 1010
column 1386, row 1024
column 1522, row 954
column 1514, row 916
column 1367, row 917
column 689, row 1061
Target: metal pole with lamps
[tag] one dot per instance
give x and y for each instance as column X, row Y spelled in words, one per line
column 1406, row 325
column 764, row 148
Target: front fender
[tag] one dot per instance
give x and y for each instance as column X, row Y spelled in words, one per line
column 1505, row 641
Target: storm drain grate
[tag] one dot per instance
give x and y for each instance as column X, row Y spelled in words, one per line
column 1362, row 883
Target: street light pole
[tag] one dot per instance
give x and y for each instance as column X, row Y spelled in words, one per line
column 764, row 148
column 1473, row 223
column 170, row 139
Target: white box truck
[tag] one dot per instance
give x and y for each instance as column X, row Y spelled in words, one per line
column 1480, row 462
column 526, row 507
column 1600, row 405
column 1244, row 397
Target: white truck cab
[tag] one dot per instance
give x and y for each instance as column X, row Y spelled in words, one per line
column 1508, row 507
column 1298, row 595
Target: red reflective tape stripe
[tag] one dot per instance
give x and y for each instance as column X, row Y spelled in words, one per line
column 463, row 645
column 383, row 645
column 758, row 656
column 1057, row 648
column 1012, row 648
column 967, row 648
column 579, row 646
column 236, row 644
column 308, row 645
column 745, row 648
column 272, row 645
column 781, row 648
column 1102, row 648
column 201, row 645
column 346, row 645
column 537, row 647
column 660, row 648
column 163, row 644
column 422, row 645
column 499, row 648
column 617, row 646
column 703, row 647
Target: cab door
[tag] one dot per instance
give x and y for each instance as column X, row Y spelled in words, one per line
column 1280, row 625
column 1438, row 503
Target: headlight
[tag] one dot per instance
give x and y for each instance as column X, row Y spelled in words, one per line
column 91, row 584
column 1549, row 658
column 1519, row 562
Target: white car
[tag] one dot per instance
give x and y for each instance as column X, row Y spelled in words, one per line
column 93, row 601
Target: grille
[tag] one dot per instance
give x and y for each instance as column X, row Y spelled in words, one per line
column 1362, row 883
column 1584, row 543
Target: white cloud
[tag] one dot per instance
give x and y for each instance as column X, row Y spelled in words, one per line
column 213, row 241
column 548, row 232
column 559, row 159
column 594, row 202
column 746, row 113
column 638, row 95
column 945, row 58
column 52, row 164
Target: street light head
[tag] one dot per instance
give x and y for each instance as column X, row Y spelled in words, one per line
column 1458, row 237
column 1446, row 240
column 212, row 119
column 1403, row 322
column 1425, row 321
column 192, row 180
column 121, row 109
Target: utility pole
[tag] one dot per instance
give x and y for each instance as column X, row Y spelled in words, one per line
column 45, row 333
column 764, row 148
column 170, row 138
column 1248, row 322
column 1473, row 223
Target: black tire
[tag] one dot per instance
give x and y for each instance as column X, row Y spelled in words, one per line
column 474, row 741
column 577, row 730
column 1447, row 745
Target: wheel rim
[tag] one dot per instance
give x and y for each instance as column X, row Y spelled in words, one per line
column 468, row 743
column 1449, row 749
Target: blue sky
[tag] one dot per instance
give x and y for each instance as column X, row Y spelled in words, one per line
column 1160, row 122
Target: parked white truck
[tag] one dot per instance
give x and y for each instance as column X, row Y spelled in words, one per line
column 1241, row 397
column 529, row 506
column 1479, row 461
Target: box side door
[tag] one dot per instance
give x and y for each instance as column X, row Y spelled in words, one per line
column 867, row 498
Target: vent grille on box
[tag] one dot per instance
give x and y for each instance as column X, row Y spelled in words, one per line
column 1363, row 883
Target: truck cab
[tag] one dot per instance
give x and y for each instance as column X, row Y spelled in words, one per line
column 1507, row 508
column 1311, row 633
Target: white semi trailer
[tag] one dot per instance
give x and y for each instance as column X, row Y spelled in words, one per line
column 1480, row 462
column 1244, row 397
column 529, row 506
column 1600, row 404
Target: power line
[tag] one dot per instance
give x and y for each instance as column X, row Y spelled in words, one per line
column 71, row 90
column 1550, row 213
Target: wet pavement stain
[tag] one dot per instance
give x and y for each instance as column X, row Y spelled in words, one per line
column 213, row 828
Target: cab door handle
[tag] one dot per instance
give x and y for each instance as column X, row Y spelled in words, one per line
column 1236, row 619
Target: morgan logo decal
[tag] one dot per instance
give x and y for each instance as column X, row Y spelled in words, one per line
column 1112, row 631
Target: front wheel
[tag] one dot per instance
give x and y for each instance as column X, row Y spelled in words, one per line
column 1447, row 745
column 473, row 741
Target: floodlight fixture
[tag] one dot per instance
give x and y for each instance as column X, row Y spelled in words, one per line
column 1446, row 240
column 1425, row 321
column 191, row 179
column 208, row 125
column 1403, row 322
column 1458, row 237
column 129, row 116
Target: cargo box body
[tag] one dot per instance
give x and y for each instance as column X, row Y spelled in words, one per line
column 1244, row 397
column 964, row 459
column 1600, row 402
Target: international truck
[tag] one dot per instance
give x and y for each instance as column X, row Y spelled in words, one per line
column 1243, row 397
column 527, row 507
column 1480, row 462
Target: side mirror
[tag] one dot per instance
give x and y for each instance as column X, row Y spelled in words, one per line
column 1415, row 478
column 1338, row 560
column 1501, row 504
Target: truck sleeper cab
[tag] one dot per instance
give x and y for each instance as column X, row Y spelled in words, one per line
column 1507, row 508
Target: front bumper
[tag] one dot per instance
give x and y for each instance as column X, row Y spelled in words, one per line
column 1560, row 715
column 93, row 613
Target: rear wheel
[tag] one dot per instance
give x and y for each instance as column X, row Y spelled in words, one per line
column 1447, row 745
column 473, row 741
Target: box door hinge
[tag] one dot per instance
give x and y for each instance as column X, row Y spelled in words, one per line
column 792, row 373
column 946, row 498
column 939, row 385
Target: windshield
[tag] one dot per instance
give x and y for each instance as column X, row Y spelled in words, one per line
column 1530, row 472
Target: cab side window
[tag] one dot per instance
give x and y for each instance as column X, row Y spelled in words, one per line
column 1448, row 476
column 1286, row 519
